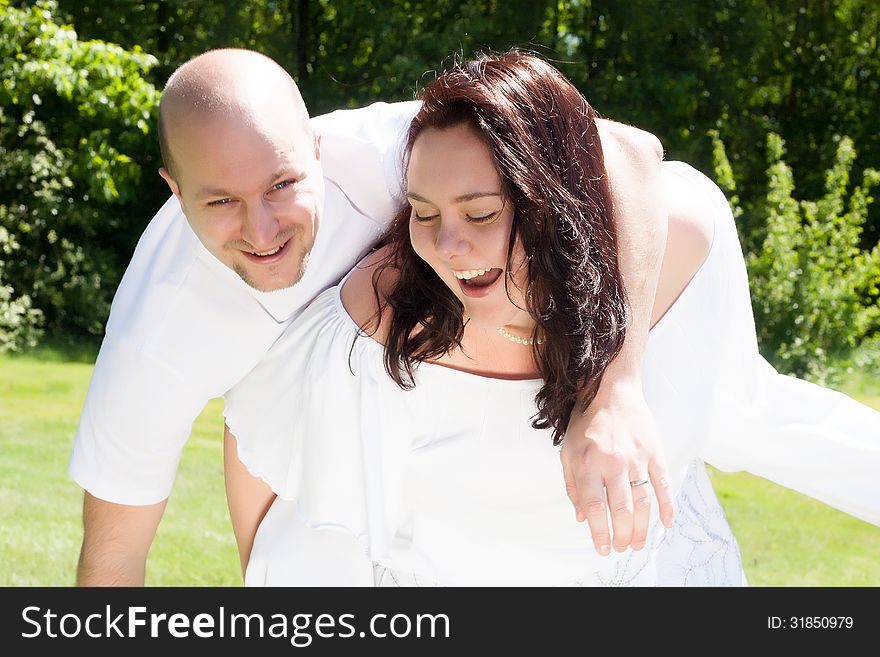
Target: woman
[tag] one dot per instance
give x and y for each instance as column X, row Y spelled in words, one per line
column 448, row 363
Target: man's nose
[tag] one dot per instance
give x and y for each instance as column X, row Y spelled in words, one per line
column 260, row 227
column 451, row 242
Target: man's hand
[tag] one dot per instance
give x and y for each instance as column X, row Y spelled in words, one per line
column 607, row 448
column 116, row 539
column 614, row 446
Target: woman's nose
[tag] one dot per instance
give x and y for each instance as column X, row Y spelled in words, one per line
column 451, row 242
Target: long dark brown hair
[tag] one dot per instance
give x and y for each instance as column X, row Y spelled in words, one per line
column 543, row 137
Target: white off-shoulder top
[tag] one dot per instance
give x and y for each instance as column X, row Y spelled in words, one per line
column 449, row 484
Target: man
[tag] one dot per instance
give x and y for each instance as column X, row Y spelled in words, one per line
column 256, row 229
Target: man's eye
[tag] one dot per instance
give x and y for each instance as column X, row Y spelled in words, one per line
column 283, row 185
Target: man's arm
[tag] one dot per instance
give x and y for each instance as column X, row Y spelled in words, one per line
column 116, row 539
column 136, row 418
column 614, row 443
column 362, row 152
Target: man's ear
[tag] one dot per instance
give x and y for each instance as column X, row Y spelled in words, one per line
column 317, row 137
column 175, row 189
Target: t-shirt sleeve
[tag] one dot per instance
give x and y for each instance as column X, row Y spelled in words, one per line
column 362, row 152
column 816, row 441
column 137, row 416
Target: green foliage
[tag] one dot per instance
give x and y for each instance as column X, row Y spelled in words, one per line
column 75, row 117
column 803, row 69
column 814, row 288
column 19, row 321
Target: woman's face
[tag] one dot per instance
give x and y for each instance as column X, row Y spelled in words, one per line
column 460, row 225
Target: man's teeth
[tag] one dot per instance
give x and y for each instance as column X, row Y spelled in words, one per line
column 470, row 273
column 268, row 253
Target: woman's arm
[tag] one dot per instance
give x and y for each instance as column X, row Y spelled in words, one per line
column 247, row 496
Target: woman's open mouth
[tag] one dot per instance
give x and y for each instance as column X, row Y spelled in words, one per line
column 478, row 282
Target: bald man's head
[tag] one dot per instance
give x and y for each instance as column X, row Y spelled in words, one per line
column 227, row 82
column 242, row 159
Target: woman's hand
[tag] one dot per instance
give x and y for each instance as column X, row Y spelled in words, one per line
column 606, row 453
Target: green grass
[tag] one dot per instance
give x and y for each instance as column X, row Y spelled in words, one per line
column 41, row 507
column 785, row 538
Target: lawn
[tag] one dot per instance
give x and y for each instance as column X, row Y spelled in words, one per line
column 785, row 538
column 40, row 507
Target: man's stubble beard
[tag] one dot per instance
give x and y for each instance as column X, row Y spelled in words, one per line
column 303, row 258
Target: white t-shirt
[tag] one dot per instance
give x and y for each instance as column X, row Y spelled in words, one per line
column 184, row 328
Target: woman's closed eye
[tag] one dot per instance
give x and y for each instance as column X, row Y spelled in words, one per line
column 423, row 218
column 482, row 217
column 475, row 218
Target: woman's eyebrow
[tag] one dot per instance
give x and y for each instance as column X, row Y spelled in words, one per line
column 458, row 199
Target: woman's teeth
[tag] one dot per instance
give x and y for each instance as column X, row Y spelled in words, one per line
column 470, row 273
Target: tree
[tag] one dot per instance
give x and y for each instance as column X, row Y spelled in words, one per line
column 815, row 290
column 76, row 119
column 802, row 69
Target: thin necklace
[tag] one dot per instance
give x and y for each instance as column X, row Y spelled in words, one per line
column 504, row 333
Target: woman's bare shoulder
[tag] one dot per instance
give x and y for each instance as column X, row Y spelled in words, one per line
column 364, row 293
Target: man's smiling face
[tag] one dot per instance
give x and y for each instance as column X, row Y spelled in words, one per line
column 252, row 190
